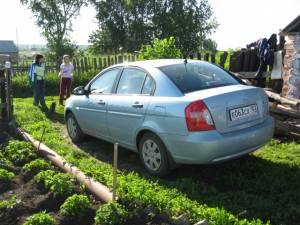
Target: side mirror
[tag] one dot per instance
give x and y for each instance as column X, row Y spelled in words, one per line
column 80, row 91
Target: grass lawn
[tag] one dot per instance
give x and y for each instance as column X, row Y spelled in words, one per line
column 262, row 187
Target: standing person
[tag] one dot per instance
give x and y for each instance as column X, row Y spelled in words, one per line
column 36, row 80
column 66, row 76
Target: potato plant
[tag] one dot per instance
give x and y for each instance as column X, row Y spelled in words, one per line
column 19, row 152
column 41, row 218
column 37, row 166
column 6, row 176
column 9, row 203
column 111, row 214
column 57, row 182
column 75, row 205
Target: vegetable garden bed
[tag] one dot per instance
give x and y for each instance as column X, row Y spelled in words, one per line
column 252, row 190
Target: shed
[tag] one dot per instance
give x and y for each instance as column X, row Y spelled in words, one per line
column 291, row 61
column 8, row 47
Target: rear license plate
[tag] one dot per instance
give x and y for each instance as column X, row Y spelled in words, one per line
column 243, row 112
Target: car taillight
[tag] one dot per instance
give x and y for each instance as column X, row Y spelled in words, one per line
column 198, row 117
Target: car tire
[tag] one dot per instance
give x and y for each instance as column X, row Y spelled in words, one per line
column 73, row 128
column 153, row 155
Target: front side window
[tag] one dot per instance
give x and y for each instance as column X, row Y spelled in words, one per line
column 131, row 81
column 189, row 77
column 104, row 83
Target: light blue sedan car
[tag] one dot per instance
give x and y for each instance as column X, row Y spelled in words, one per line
column 171, row 112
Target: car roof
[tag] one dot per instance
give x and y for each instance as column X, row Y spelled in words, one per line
column 156, row 63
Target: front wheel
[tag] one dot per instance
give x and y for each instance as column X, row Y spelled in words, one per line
column 74, row 130
column 153, row 155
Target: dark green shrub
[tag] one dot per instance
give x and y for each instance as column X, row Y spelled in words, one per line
column 58, row 183
column 5, row 175
column 41, row 218
column 37, row 166
column 75, row 205
column 19, row 152
column 111, row 214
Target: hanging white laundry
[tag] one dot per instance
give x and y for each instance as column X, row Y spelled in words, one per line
column 277, row 67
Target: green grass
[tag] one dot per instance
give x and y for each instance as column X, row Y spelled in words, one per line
column 261, row 187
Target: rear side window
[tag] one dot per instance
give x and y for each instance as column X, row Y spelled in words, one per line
column 197, row 76
column 148, row 86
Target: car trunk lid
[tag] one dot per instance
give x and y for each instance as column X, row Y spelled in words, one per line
column 233, row 107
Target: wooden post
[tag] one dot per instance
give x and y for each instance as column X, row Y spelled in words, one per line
column 100, row 63
column 9, row 98
column 213, row 58
column 104, row 62
column 81, row 64
column 116, row 59
column 95, row 63
column 115, row 167
column 198, row 55
column 223, row 59
column 86, row 64
column 108, row 61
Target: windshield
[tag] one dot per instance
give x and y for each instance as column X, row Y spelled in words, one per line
column 189, row 77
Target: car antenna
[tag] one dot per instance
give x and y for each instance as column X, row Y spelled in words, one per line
column 185, row 62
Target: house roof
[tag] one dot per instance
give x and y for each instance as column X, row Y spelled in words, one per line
column 8, row 47
column 293, row 27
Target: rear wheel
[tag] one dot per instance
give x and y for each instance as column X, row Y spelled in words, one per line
column 74, row 130
column 153, row 155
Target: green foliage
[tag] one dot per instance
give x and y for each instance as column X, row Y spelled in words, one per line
column 9, row 204
column 55, row 17
column 58, row 183
column 41, row 218
column 247, row 191
column 161, row 49
column 5, row 175
column 21, row 88
column 5, row 163
column 37, row 166
column 19, row 152
column 111, row 214
column 75, row 205
column 131, row 24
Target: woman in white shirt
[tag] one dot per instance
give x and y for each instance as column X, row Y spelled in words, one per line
column 66, row 77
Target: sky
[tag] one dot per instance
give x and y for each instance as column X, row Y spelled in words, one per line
column 241, row 21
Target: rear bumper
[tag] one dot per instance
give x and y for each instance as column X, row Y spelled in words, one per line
column 212, row 146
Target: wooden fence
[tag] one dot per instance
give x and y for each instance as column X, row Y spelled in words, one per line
column 81, row 64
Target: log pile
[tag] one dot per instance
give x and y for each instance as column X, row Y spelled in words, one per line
column 291, row 69
column 286, row 112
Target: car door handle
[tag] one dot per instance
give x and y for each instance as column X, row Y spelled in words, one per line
column 137, row 105
column 101, row 102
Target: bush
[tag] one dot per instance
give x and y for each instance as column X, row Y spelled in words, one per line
column 75, row 205
column 161, row 49
column 111, row 214
column 41, row 218
column 22, row 89
column 37, row 166
column 58, row 183
column 19, row 152
column 5, row 175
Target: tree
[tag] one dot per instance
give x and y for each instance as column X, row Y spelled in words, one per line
column 133, row 23
column 54, row 17
column 161, row 49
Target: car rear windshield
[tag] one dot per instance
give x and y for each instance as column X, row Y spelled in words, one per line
column 189, row 77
